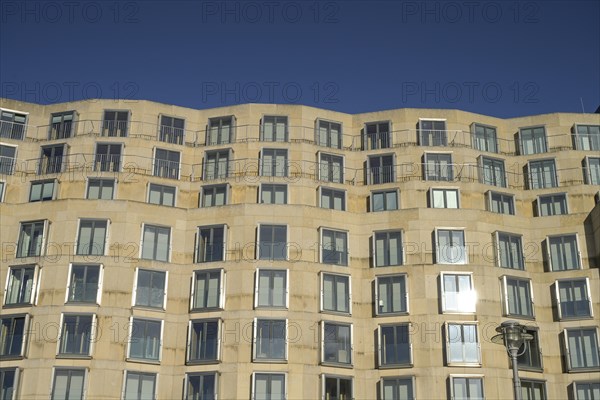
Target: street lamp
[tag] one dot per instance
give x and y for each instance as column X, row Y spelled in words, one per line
column 513, row 335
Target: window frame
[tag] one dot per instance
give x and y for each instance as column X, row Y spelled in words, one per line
column 15, row 382
column 159, row 171
column 44, row 237
column 257, row 289
column 198, row 252
column 498, row 238
column 192, row 337
column 553, row 197
column 139, row 375
column 512, row 207
column 214, row 188
column 551, row 267
column 387, row 248
column 220, row 294
column 397, row 379
column 532, row 346
column 273, row 170
column 382, row 140
column 381, row 345
column 100, row 188
column 468, row 377
column 23, row 348
column 169, row 248
column 43, row 182
column 438, row 258
column 186, row 384
column 338, row 378
column 438, row 174
column 469, row 295
column 322, row 231
column 559, row 301
column 255, row 340
column 536, row 141
column 328, row 140
column 105, row 247
column 69, row 371
column 220, row 141
column 381, row 176
column 588, row 383
column 349, row 345
column 124, row 131
column 275, row 120
column 590, row 141
column 108, row 162
column 23, row 114
column 161, row 194
column 430, row 142
column 378, row 297
column 2, row 190
column 506, row 297
column 445, row 191
column 62, row 123
column 134, row 292
column 92, row 332
column 590, row 179
column 333, row 197
column 272, row 187
column 216, row 173
column 334, row 296
column 279, row 374
column 4, row 170
column 567, row 353
column 34, row 289
column 330, row 164
column 385, row 199
column 99, row 286
column 540, row 172
column 498, row 181
column 462, row 363
column 176, row 138
column 131, row 338
column 273, row 244
column 476, row 139
column 52, row 164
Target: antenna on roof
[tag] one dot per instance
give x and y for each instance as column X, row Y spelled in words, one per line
column 582, row 109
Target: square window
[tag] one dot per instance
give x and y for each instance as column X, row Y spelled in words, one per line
column 492, row 171
column 101, row 189
column 13, row 124
column 592, row 170
column 172, row 129
column 533, row 390
column 216, row 164
column 552, row 204
column 68, row 383
column 274, row 162
column 270, row 339
column 145, row 339
column 156, row 243
column 201, row 386
column 91, row 239
column 458, row 294
column 533, row 140
column 211, row 243
column 542, row 174
column 269, row 386
column 444, row 198
column 150, row 289
column 166, row 163
column 336, row 343
column 387, row 249
column 395, row 349
column 466, row 387
column 272, row 242
column 204, row 340
column 76, row 335
column 432, row 132
column 85, row 283
column 274, row 129
column 582, row 349
column 220, row 130
column 377, row 135
column 31, row 239
column 333, row 199
column 108, row 157
column 531, row 359
column 328, row 134
column 13, row 334
column 397, row 388
column 510, row 251
column 484, row 138
column 587, row 137
column 331, row 168
column 214, row 195
column 273, row 193
column 501, row 203
column 334, row 247
column 380, row 169
column 9, row 382
column 115, row 123
column 336, row 293
column 518, row 297
column 438, row 167
column 139, row 386
column 462, row 344
column 573, row 298
column 563, row 252
column 391, row 296
column 450, row 246
column 21, row 287
column 43, row 190
column 208, row 290
column 336, row 387
column 384, row 200
column 161, row 195
column 271, row 288
column 7, row 159
column 51, row 159
column 586, row 390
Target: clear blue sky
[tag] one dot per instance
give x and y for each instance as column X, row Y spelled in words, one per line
column 502, row 58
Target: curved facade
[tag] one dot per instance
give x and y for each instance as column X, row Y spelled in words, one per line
column 268, row 251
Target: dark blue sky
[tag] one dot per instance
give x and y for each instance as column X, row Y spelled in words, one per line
column 502, row 58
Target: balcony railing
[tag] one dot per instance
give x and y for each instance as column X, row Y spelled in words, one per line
column 7, row 165
column 50, row 165
column 107, row 162
column 166, row 169
column 12, row 130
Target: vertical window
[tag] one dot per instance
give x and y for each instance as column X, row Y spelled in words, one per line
column 458, row 294
column 582, row 349
column 108, row 157
column 268, row 386
column 401, row 388
column 68, row 383
column 150, row 288
column 2, row 185
column 387, row 248
column 518, row 297
column 391, row 296
column 203, row 346
column 377, row 135
column 201, row 386
column 171, row 129
column 207, row 290
column 9, row 381
column 336, row 388
column 214, row 195
column 13, row 330
column 21, row 285
column 271, row 288
column 395, row 349
column 85, row 282
column 462, row 344
column 552, row 204
column 51, row 159
column 161, row 195
column 31, row 239
column 450, row 248
column 166, row 163
column 380, row 169
column 274, row 129
column 329, row 134
column 432, row 132
column 211, row 243
column 101, row 189
column 563, row 252
column 220, row 130
column 331, row 168
column 156, row 243
column 466, row 388
column 7, row 159
column 533, row 140
column 510, row 251
column 533, row 390
column 145, row 339
column 115, row 123
column 444, row 198
column 76, row 335
column 592, row 170
column 384, row 200
column 334, row 247
column 270, row 339
column 216, row 164
column 333, row 199
column 13, row 124
column 501, row 203
column 42, row 190
column 484, row 138
column 336, row 293
column 542, row 174
column 573, row 298
column 272, row 242
column 586, row 390
column 336, row 343
column 588, row 137
column 273, row 193
column 531, row 359
column 92, row 237
column 139, row 386
column 438, row 167
column 274, row 162
column 492, row 171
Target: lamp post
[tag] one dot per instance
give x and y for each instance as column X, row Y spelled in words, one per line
column 513, row 335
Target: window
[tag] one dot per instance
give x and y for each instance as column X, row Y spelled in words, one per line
column 395, row 349
column 21, row 286
column 139, row 386
column 145, row 339
column 384, row 200
column 444, row 198
column 214, row 195
column 150, row 289
column 101, row 189
column 484, row 138
column 333, row 199
column 451, row 247
column 588, row 137
column 61, row 125
column 208, row 290
column 92, row 237
column 533, row 140
column 563, row 252
column 438, row 167
column 161, row 195
column 531, row 359
column 492, row 171
column 582, row 349
column 391, row 296
column 466, row 387
column 501, row 203
column 592, row 170
column 586, row 390
column 201, row 386
column 380, row 169
column 336, row 293
column 337, row 343
column 462, row 344
column 9, row 382
column 115, row 123
column 432, row 132
column 510, row 251
column 43, row 190
column 334, row 247
column 216, row 164
column 108, row 157
column 76, row 335
column 542, row 174
column 331, row 168
column 533, row 390
column 220, row 130
column 85, row 283
column 204, row 340
column 68, row 383
column 12, row 124
column 273, row 193
column 13, row 331
column 171, row 129
column 51, row 159
column 274, row 129
column 2, row 185
column 573, row 298
column 268, row 386
column 518, row 297
column 272, row 242
column 387, row 249
column 377, row 135
column 328, row 134
column 552, row 204
column 458, row 294
column 270, row 339
column 336, row 388
column 211, row 243
column 401, row 388
column 156, row 243
column 31, row 239
column 166, row 163
column 271, row 288
column 274, row 162
column 7, row 159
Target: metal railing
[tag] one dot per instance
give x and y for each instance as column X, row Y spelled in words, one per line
column 12, row 130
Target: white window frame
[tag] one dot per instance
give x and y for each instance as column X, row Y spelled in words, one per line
column 445, row 130
column 582, row 382
column 539, row 208
column 35, row 286
column 321, row 246
column 135, row 287
column 187, row 380
column 559, row 301
column 170, row 151
column 170, row 249
column 549, row 253
column 482, row 168
column 350, row 350
column 401, row 249
column 328, row 139
column 379, row 301
column 393, row 171
column 124, row 387
column 198, row 240
column 42, row 182
column 588, row 171
column 438, row 258
column 222, row 286
column 489, row 195
column 474, row 140
column 521, row 129
column 255, row 341
column 106, row 237
column 87, row 187
column 345, row 377
column 277, row 117
column 287, row 240
column 569, row 365
column 24, row 339
column 2, row 190
column 202, row 195
column 175, row 193
column 383, row 191
column 68, row 368
column 15, row 386
column 285, row 382
column 160, row 125
column 380, row 346
column 217, row 173
column 257, row 288
column 14, row 160
column 44, row 237
column 98, row 289
column 320, row 155
column 447, row 349
column 412, row 395
column 448, row 176
column 467, row 376
column 286, row 166
column 505, row 297
column 260, row 192
column 188, row 348
column 365, row 140
column 92, row 339
column 130, row 340
column 25, row 125
column 499, row 253
column 444, row 190
column 232, row 130
column 320, row 198
column 322, row 296
column 530, row 183
column 577, row 138
column 470, row 295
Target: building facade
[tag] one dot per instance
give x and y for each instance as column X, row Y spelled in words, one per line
column 283, row 251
